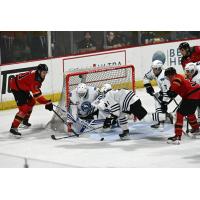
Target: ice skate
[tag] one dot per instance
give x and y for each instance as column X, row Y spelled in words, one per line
column 124, row 135
column 194, row 133
column 155, row 125
column 174, row 140
column 25, row 124
column 14, row 132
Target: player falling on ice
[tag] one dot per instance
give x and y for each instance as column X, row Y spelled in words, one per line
column 161, row 97
column 192, row 72
column 190, row 54
column 21, row 85
column 190, row 93
column 120, row 103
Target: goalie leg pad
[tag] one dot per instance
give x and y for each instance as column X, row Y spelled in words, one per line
column 159, row 116
column 138, row 110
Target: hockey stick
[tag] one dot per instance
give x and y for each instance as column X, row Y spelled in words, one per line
column 156, row 98
column 77, row 135
column 178, row 105
column 64, row 137
column 82, row 122
column 60, row 138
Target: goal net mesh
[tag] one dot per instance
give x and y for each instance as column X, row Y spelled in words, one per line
column 119, row 77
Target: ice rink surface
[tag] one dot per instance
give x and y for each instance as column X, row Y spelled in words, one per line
column 147, row 147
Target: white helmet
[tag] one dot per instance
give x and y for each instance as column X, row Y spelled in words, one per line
column 190, row 68
column 82, row 90
column 105, row 88
column 156, row 64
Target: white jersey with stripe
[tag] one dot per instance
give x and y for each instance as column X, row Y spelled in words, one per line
column 196, row 78
column 83, row 105
column 162, row 82
column 118, row 101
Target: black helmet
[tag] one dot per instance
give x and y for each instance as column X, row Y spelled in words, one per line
column 184, row 45
column 170, row 71
column 42, row 67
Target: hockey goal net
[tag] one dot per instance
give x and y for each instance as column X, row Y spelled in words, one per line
column 118, row 76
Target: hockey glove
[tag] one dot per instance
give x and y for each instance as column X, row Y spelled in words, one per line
column 171, row 94
column 49, row 106
column 108, row 121
column 149, row 89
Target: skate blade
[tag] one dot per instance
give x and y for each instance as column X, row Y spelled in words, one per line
column 177, row 142
column 125, row 138
column 155, row 127
column 22, row 126
column 14, row 136
column 194, row 136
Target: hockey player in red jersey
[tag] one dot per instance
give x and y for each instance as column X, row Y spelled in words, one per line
column 21, row 85
column 190, row 93
column 190, row 54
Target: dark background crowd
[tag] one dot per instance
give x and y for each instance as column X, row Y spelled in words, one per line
column 16, row 46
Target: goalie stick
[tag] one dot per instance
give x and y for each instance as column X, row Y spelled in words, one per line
column 60, row 138
column 64, row 122
column 83, row 123
column 80, row 121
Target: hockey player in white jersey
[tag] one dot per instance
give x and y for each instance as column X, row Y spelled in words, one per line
column 120, row 103
column 81, row 100
column 161, row 97
column 192, row 72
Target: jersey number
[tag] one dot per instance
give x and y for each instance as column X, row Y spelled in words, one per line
column 21, row 76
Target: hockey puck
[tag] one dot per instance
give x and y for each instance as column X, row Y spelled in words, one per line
column 53, row 137
column 102, row 139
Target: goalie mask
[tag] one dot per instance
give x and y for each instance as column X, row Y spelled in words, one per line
column 157, row 66
column 82, row 90
column 106, row 88
column 190, row 69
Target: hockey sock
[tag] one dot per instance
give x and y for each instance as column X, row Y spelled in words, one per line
column 17, row 120
column 179, row 124
column 193, row 121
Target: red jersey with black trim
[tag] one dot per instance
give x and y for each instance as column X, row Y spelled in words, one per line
column 29, row 82
column 185, row 88
column 193, row 57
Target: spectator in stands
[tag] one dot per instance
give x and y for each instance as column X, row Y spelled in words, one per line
column 6, row 41
column 38, row 44
column 112, row 41
column 122, row 38
column 87, row 44
column 20, row 48
column 147, row 37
